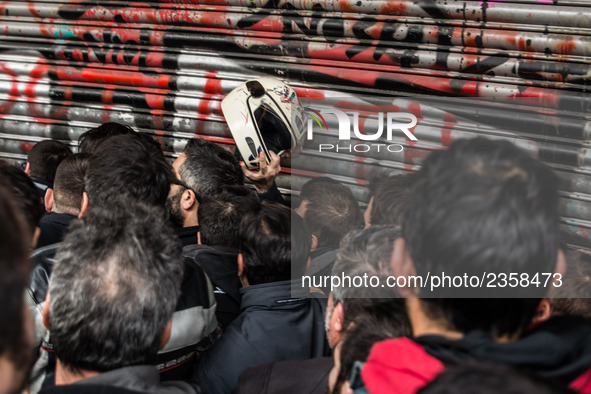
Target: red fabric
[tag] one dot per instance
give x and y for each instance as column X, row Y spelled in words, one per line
column 582, row 384
column 399, row 366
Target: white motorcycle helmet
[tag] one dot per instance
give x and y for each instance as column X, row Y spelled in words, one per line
column 264, row 114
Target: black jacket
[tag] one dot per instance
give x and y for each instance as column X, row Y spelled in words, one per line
column 53, row 228
column 187, row 235
column 287, row 377
column 127, row 380
column 221, row 266
column 273, row 325
column 43, row 260
column 558, row 348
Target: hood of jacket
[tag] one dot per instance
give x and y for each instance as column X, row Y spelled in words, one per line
column 559, row 349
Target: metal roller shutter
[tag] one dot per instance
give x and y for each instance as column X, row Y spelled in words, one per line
column 163, row 67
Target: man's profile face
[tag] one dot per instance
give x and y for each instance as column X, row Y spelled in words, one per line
column 332, row 335
column 173, row 202
column 173, row 206
column 367, row 213
column 176, row 165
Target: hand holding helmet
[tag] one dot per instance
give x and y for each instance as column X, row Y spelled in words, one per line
column 264, row 115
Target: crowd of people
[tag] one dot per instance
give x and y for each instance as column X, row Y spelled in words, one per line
column 123, row 273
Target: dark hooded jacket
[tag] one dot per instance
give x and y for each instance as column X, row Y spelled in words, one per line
column 221, row 266
column 273, row 325
column 557, row 349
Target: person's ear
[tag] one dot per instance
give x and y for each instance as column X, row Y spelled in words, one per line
column 36, row 235
column 240, row 264
column 314, row 242
column 48, row 199
column 347, row 386
column 367, row 213
column 402, row 265
column 560, row 267
column 83, row 206
column 45, row 312
column 241, row 273
column 544, row 311
column 337, row 319
column 28, row 169
column 188, row 200
column 165, row 335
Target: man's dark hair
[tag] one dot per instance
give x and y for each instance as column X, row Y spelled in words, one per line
column 45, row 157
column 14, row 269
column 308, row 188
column 25, row 193
column 483, row 206
column 573, row 297
column 490, row 378
column 89, row 141
column 114, row 287
column 128, row 165
column 389, row 198
column 209, row 168
column 332, row 212
column 269, row 247
column 69, row 183
column 380, row 321
column 219, row 218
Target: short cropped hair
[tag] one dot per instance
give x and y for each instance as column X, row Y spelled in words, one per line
column 209, row 168
column 89, row 141
column 114, row 287
column 389, row 199
column 365, row 252
column 45, row 157
column 270, row 248
column 14, row 269
column 69, row 183
column 131, row 166
column 219, row 218
column 483, row 206
column 332, row 212
column 25, row 194
column 573, row 297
